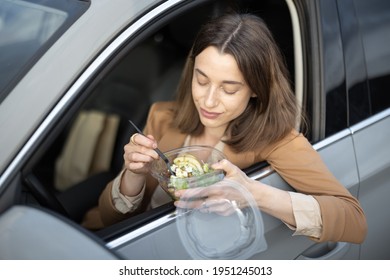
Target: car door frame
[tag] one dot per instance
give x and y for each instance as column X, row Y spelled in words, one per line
column 299, row 247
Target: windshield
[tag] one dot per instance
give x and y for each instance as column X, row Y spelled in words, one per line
column 27, row 29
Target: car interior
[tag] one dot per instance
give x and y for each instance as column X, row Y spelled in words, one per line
column 85, row 151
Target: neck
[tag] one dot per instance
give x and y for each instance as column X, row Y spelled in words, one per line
column 209, row 137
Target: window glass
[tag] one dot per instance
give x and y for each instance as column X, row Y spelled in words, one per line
column 334, row 71
column 374, row 21
column 26, row 30
column 355, row 68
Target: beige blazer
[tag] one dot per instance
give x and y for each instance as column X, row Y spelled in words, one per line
column 293, row 158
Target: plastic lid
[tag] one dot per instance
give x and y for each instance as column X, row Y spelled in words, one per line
column 220, row 221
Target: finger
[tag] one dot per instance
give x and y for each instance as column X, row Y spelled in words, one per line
column 225, row 190
column 232, row 172
column 189, row 204
column 220, row 206
column 142, row 140
column 138, row 152
column 192, row 194
column 135, row 157
column 224, row 165
column 136, row 166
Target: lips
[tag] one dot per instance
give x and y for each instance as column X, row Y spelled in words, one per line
column 209, row 115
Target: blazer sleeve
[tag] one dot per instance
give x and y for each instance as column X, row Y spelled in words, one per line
column 158, row 121
column 302, row 167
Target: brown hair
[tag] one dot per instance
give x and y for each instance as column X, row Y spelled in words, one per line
column 268, row 117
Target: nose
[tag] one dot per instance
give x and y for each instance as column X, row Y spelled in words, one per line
column 211, row 98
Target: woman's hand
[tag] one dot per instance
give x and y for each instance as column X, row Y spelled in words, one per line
column 233, row 173
column 223, row 197
column 139, row 153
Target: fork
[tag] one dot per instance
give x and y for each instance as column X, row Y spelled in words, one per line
column 161, row 154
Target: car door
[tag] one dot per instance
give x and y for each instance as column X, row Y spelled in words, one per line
column 371, row 135
column 356, row 82
column 141, row 47
column 128, row 65
column 32, row 233
column 61, row 89
column 346, row 82
column 160, row 239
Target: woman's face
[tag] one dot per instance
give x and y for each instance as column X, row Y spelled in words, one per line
column 219, row 90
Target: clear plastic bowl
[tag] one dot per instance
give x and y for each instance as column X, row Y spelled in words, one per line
column 228, row 227
column 204, row 154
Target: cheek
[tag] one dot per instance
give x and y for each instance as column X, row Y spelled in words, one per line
column 236, row 106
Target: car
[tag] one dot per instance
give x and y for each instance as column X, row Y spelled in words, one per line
column 72, row 73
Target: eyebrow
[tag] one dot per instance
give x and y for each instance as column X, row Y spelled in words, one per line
column 224, row 81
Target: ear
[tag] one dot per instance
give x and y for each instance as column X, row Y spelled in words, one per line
column 253, row 95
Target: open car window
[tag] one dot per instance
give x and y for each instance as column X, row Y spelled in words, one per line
column 88, row 151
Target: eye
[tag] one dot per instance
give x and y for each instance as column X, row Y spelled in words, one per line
column 229, row 90
column 202, row 81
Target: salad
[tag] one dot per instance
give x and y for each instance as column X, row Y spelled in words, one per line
column 190, row 172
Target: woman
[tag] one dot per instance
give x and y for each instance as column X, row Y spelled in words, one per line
column 235, row 95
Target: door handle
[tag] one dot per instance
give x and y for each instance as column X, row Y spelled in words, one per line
column 325, row 251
